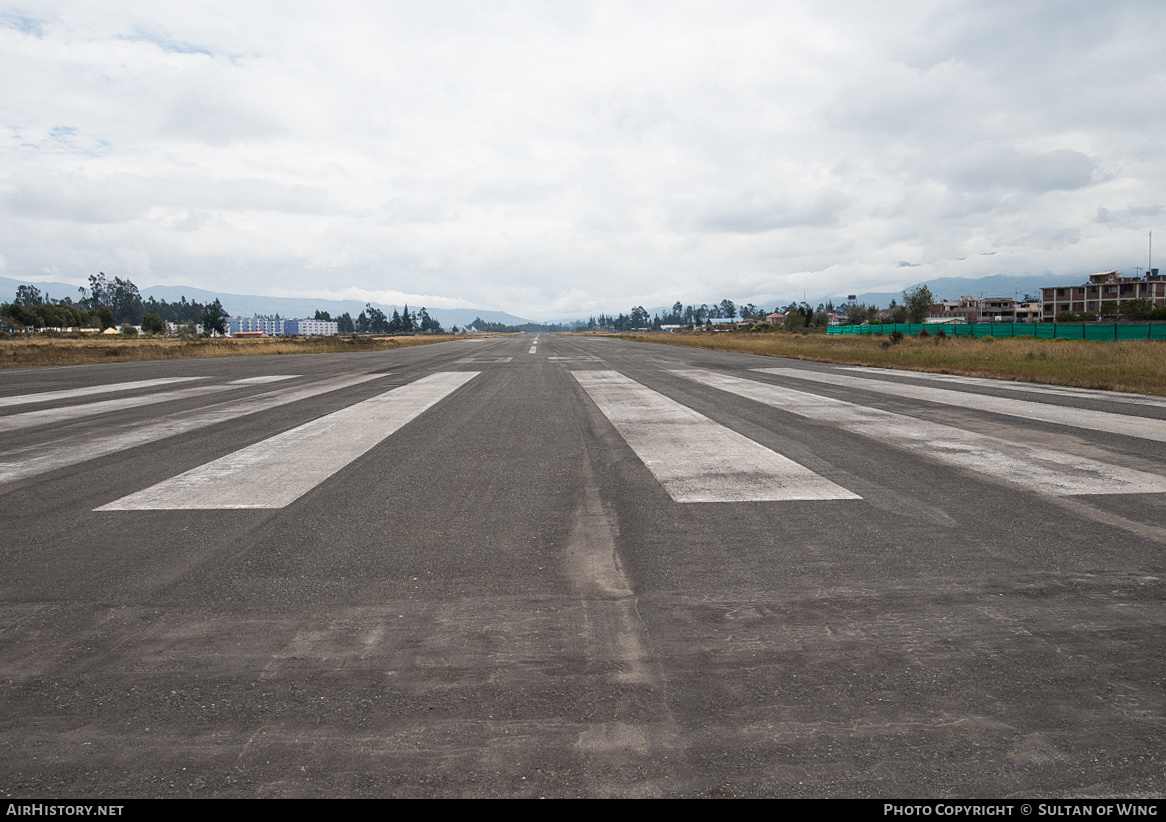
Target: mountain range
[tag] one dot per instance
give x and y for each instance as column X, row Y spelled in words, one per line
column 247, row 305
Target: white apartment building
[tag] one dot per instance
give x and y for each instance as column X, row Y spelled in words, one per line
column 272, row 328
column 312, row 328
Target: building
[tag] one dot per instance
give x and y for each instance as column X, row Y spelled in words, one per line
column 312, row 328
column 1104, row 294
column 961, row 310
column 997, row 310
column 1028, row 312
column 985, row 310
column 250, row 325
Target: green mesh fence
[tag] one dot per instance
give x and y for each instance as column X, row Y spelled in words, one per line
column 1047, row 331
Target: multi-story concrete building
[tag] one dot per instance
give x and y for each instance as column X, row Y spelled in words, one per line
column 272, row 328
column 985, row 310
column 1028, row 312
column 961, row 310
column 312, row 328
column 1104, row 294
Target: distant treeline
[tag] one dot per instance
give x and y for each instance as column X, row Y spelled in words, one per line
column 692, row 316
column 117, row 302
column 481, row 325
column 105, row 304
column 374, row 321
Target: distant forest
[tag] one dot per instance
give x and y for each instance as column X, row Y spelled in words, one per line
column 106, row 304
column 113, row 303
column 692, row 316
column 118, row 302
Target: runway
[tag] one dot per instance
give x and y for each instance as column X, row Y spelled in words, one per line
column 574, row 566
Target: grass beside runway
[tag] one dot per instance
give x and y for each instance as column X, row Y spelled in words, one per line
column 1137, row 365
column 28, row 352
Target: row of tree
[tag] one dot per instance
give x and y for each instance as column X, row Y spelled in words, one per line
column 107, row 304
column 112, row 303
column 694, row 316
column 374, row 321
column 915, row 307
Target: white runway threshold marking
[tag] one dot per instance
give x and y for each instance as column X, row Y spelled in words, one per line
column 1007, row 385
column 1144, row 428
column 40, row 459
column 264, row 379
column 276, row 472
column 47, row 416
column 1038, row 469
column 72, row 393
column 695, row 458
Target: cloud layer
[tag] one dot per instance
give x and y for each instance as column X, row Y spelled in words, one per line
column 556, row 159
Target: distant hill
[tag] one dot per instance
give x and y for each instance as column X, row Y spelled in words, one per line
column 248, row 305
column 952, row 288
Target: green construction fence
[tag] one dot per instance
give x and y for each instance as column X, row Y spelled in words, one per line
column 1048, row 331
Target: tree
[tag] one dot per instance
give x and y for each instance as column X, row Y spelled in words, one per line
column 18, row 317
column 1137, row 309
column 428, row 324
column 856, row 314
column 214, row 318
column 377, row 321
column 28, row 296
column 126, row 301
column 153, row 324
column 918, row 301
column 98, row 295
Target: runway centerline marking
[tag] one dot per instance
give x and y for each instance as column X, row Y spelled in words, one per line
column 1032, row 468
column 279, row 470
column 694, row 458
column 1145, row 428
column 71, row 393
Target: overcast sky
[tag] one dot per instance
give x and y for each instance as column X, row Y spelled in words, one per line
column 559, row 159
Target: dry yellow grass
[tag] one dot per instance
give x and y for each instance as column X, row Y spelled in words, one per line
column 1138, row 366
column 25, row 352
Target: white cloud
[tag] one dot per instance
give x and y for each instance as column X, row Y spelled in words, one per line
column 560, row 158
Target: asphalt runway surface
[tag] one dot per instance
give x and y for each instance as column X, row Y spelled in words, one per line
column 565, row 566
